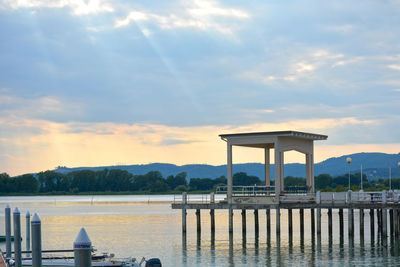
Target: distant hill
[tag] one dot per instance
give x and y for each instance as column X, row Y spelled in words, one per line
column 375, row 165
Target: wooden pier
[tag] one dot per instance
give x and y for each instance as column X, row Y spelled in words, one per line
column 383, row 208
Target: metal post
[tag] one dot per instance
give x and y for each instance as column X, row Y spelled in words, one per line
column 83, row 249
column 28, row 231
column 36, row 241
column 8, row 231
column 17, row 238
column 212, row 212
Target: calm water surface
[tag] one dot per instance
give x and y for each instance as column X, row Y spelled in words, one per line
column 146, row 226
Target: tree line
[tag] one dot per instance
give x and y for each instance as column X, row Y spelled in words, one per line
column 115, row 180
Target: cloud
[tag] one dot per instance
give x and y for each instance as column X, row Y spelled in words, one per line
column 77, row 144
column 78, row 7
column 201, row 15
column 394, row 67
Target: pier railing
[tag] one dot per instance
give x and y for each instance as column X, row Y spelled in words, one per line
column 260, row 190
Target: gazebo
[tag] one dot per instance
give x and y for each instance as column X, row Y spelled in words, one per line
column 281, row 142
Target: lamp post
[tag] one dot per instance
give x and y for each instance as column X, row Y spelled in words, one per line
column 361, row 182
column 390, row 179
column 349, row 161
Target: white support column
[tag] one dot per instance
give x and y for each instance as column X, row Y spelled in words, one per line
column 277, row 174
column 282, row 163
column 267, row 168
column 230, row 182
column 312, row 172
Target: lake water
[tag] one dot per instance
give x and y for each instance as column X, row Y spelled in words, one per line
column 146, row 226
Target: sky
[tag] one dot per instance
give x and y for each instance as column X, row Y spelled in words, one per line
column 98, row 82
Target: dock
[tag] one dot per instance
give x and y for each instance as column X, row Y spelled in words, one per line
column 383, row 207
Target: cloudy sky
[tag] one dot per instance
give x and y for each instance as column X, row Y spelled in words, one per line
column 86, row 83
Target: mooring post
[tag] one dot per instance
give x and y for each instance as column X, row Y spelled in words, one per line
column 312, row 222
column 212, row 212
column 290, row 222
column 268, row 214
column 8, row 230
column 36, row 241
column 391, row 222
column 244, row 221
column 278, row 221
column 17, row 238
column 372, row 222
column 301, row 222
column 330, row 222
column 362, row 222
column 350, row 215
column 341, row 223
column 28, row 231
column 384, row 214
column 184, row 202
column 198, row 220
column 256, row 226
column 83, row 250
column 318, row 198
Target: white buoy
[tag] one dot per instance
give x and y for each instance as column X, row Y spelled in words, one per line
column 36, row 241
column 8, row 230
column 83, row 249
column 17, row 238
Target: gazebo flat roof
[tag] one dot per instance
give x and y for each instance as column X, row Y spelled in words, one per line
column 301, row 135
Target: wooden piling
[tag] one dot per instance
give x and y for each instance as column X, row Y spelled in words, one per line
column 379, row 220
column 341, row 223
column 312, row 222
column 384, row 222
column 244, row 221
column 278, row 221
column 290, row 222
column 350, row 222
column 256, row 224
column 372, row 222
column 301, row 222
column 198, row 220
column 212, row 217
column 391, row 222
column 396, row 222
column 318, row 221
column 330, row 222
column 361, row 217
column 268, row 214
column 230, row 214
